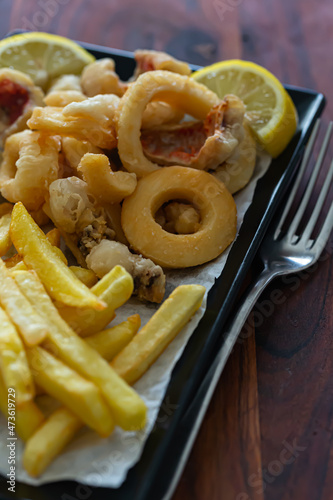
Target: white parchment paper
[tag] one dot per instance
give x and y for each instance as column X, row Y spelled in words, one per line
column 95, row 461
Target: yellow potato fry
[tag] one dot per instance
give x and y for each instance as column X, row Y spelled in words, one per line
column 5, row 240
column 38, row 254
column 135, row 359
column 128, row 409
column 13, row 362
column 12, row 261
column 20, row 266
column 49, row 440
column 27, row 417
column 54, row 237
column 110, row 342
column 107, row 186
column 81, row 396
column 87, row 276
column 31, row 326
column 115, row 288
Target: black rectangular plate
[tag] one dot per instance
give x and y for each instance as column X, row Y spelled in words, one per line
column 153, row 477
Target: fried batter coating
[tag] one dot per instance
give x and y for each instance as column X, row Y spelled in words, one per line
column 179, row 218
column 202, row 145
column 65, row 82
column 90, row 120
column 160, row 113
column 237, row 171
column 150, row 60
column 99, row 77
column 180, row 91
column 74, row 211
column 74, row 150
column 18, row 97
column 149, row 279
column 30, row 164
column 104, row 184
column 60, row 98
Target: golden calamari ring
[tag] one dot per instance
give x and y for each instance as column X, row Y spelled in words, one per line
column 180, row 91
column 208, row 195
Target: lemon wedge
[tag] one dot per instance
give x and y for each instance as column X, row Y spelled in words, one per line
column 269, row 108
column 43, row 56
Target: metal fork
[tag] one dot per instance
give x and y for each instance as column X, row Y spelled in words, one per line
column 281, row 253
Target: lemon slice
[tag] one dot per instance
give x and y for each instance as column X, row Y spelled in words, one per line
column 269, row 108
column 43, row 56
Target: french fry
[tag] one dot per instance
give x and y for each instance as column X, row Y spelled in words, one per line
column 53, row 237
column 42, row 447
column 13, row 261
column 81, row 396
column 27, row 417
column 114, row 289
column 38, row 254
column 5, row 240
column 87, row 276
column 135, row 359
column 110, row 342
column 13, row 362
column 20, row 266
column 30, row 325
column 127, row 407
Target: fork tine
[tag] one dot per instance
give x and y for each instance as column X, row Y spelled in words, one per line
column 307, row 153
column 311, row 183
column 325, row 232
column 321, row 199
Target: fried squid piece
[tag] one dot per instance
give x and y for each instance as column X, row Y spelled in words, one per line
column 75, row 212
column 63, row 91
column 30, row 164
column 90, row 120
column 149, row 278
column 202, row 144
column 237, row 170
column 18, row 97
column 150, row 60
column 160, row 113
column 99, row 77
column 84, row 225
column 74, row 150
column 104, row 184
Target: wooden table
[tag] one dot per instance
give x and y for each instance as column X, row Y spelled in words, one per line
column 268, row 433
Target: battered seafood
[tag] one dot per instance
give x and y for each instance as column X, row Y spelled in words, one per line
column 30, row 164
column 63, row 91
column 151, row 60
column 84, row 225
column 91, row 120
column 217, row 228
column 191, row 97
column 18, row 97
column 149, row 279
column 100, row 77
column 203, row 145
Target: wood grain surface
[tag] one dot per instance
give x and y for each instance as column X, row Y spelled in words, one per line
column 274, row 443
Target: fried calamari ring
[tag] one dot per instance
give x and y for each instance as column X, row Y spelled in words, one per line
column 30, row 164
column 178, row 90
column 61, row 98
column 208, row 195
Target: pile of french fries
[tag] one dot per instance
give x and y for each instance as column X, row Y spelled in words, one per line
column 55, row 339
